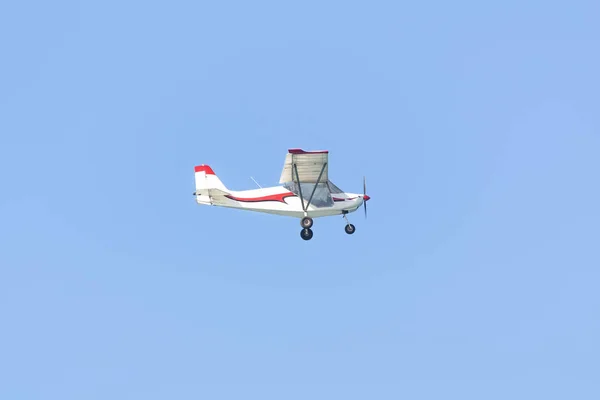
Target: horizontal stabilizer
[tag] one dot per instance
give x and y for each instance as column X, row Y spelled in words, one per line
column 210, row 192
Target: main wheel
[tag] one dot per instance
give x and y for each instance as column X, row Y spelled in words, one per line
column 307, row 222
column 306, row 233
column 350, row 229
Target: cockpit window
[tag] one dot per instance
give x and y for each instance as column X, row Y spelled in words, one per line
column 321, row 198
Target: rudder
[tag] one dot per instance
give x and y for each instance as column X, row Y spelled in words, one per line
column 206, row 180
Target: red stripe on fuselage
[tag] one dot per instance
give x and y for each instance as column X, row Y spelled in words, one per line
column 347, row 199
column 280, row 197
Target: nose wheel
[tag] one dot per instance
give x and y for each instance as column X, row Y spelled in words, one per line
column 349, row 228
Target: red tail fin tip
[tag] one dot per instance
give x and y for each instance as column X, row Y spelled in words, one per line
column 204, row 168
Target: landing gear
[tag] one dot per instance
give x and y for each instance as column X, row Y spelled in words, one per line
column 306, row 222
column 350, row 229
column 306, row 233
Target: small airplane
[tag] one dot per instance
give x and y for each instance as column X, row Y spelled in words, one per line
column 305, row 192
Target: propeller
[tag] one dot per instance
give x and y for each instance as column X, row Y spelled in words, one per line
column 365, row 196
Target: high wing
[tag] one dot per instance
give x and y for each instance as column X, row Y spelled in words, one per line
column 305, row 173
column 311, row 166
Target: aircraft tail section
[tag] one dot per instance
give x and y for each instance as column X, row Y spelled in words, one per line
column 207, row 183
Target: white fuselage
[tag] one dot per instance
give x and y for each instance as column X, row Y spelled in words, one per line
column 279, row 200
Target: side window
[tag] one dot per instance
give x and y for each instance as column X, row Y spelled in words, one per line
column 321, row 197
column 291, row 186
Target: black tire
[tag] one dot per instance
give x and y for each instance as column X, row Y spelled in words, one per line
column 306, row 233
column 306, row 222
column 350, row 229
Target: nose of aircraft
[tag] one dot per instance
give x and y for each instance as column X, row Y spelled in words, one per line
column 366, row 197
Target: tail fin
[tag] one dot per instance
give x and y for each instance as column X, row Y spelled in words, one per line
column 207, row 183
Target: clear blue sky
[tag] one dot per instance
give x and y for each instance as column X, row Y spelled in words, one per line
column 474, row 277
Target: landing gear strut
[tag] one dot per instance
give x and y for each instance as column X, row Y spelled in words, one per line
column 306, row 233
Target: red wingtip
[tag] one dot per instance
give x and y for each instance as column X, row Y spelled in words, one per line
column 366, row 197
column 204, row 168
column 300, row 151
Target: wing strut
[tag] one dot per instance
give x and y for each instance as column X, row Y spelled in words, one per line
column 316, row 183
column 299, row 187
column 304, row 208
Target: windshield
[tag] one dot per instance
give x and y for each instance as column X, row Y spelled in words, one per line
column 333, row 188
